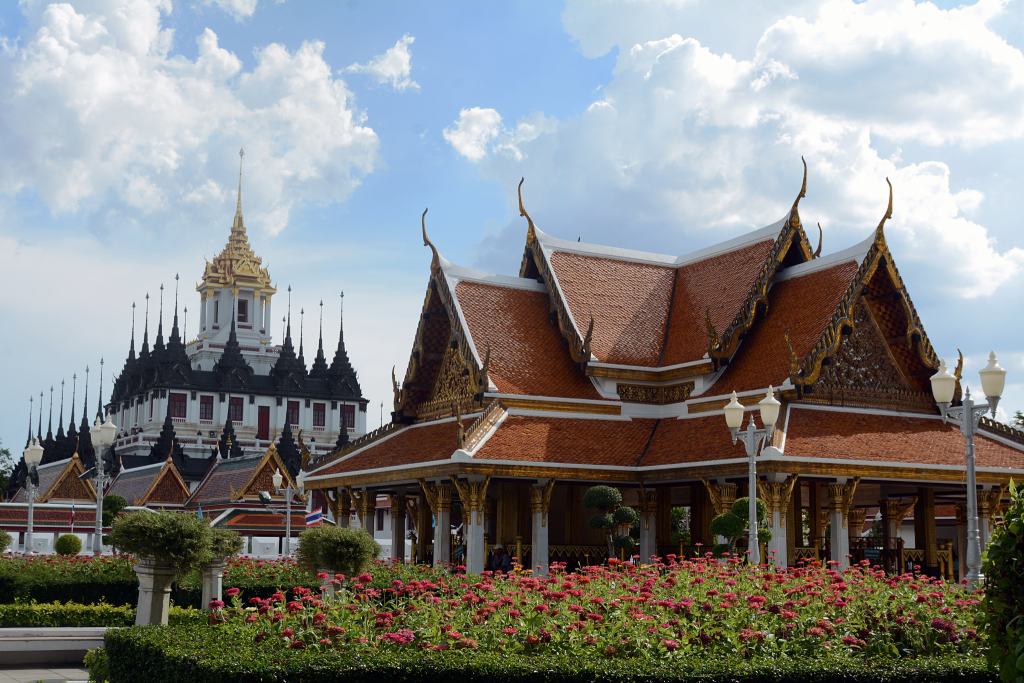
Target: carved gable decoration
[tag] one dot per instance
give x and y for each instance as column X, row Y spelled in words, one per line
column 263, row 481
column 863, row 370
column 452, row 387
column 167, row 487
column 262, row 477
column 68, row 486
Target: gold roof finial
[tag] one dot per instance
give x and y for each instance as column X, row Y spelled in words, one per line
column 530, row 232
column 241, row 158
column 427, row 243
column 879, row 232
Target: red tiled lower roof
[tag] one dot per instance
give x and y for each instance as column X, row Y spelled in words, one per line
column 568, row 440
column 719, row 283
column 426, row 443
column 628, row 301
column 528, row 354
column 85, row 520
column 803, row 306
column 891, row 438
column 695, row 439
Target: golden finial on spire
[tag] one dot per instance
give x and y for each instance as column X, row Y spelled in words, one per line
column 241, row 158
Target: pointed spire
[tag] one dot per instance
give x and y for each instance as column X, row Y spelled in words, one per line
column 39, row 434
column 159, row 344
column 184, row 328
column 342, row 376
column 238, row 211
column 302, row 322
column 74, row 388
column 174, row 328
column 60, row 420
column 131, row 346
column 49, row 428
column 85, row 403
column 144, row 352
column 319, row 369
column 31, row 400
column 288, row 372
column 99, row 399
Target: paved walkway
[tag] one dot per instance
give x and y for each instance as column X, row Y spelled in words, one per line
column 32, row 674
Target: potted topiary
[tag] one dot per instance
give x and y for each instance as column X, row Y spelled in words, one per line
column 610, row 516
column 68, row 544
column 166, row 544
column 733, row 524
column 224, row 543
column 335, row 550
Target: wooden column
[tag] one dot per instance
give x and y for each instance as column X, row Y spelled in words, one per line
column 794, row 525
column 662, row 520
column 508, row 516
column 698, row 523
column 814, row 518
column 572, row 517
column 924, row 527
column 425, row 530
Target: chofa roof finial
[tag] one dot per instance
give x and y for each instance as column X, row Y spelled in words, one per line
column 531, row 231
column 426, row 240
column 879, row 232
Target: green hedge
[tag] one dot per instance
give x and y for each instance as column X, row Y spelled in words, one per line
column 74, row 615
column 160, row 654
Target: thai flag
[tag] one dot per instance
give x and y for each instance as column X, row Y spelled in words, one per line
column 314, row 517
column 72, row 522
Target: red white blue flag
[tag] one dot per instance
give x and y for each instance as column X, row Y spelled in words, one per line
column 72, row 522
column 314, row 517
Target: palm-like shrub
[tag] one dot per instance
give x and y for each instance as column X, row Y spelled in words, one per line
column 68, row 544
column 733, row 524
column 341, row 550
column 609, row 516
column 112, row 505
column 177, row 538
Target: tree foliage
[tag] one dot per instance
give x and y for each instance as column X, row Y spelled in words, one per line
column 112, row 505
column 607, row 500
column 6, row 467
column 177, row 538
column 5, row 540
column 733, row 524
column 342, row 550
column 225, row 543
column 1004, row 592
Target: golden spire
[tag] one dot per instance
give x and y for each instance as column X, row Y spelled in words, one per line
column 238, row 211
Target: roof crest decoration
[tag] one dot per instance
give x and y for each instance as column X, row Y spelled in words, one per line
column 805, row 372
column 722, row 347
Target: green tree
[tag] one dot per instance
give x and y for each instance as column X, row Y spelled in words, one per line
column 112, row 505
column 733, row 524
column 6, row 467
column 606, row 500
column 1018, row 420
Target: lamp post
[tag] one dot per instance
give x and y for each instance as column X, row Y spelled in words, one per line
column 33, row 456
column 752, row 438
column 288, row 492
column 102, row 436
column 967, row 416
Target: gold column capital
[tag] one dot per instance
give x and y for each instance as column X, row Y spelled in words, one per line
column 776, row 496
column 840, row 497
column 439, row 496
column 722, row 495
column 472, row 494
column 540, row 499
column 857, row 516
column 399, row 506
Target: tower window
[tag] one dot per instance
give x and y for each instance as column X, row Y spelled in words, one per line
column 206, row 407
column 178, row 402
column 243, row 311
column 235, row 409
column 348, row 417
column 319, row 414
column 216, row 311
column 293, row 412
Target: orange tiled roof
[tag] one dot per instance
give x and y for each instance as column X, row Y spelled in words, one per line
column 802, row 305
column 695, row 439
column 720, row 283
column 629, row 303
column 426, row 443
column 568, row 440
column 528, row 354
column 892, row 438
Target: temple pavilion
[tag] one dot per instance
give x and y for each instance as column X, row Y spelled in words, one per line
column 603, row 365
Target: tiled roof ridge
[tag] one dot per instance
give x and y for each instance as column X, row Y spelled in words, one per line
column 722, row 347
column 804, row 372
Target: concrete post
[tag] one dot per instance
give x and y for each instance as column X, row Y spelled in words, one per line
column 540, row 499
column 439, row 498
column 213, row 583
column 398, row 513
column 154, row 591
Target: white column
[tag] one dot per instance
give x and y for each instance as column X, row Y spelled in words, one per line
column 268, row 319
column 202, row 317
column 473, row 530
column 778, row 542
column 211, row 296
column 840, row 539
column 369, row 512
column 213, row 581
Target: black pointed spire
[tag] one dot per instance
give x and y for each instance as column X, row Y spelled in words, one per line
column 228, row 446
column 131, row 347
column 342, row 436
column 74, row 387
column 342, row 376
column 288, row 372
column 302, row 323
column 31, row 400
column 39, row 434
column 158, row 345
column 99, row 399
column 231, row 367
column 85, row 404
column 49, row 428
column 166, row 444
column 289, row 452
column 319, row 369
column 174, row 364
column 86, row 453
column 60, row 420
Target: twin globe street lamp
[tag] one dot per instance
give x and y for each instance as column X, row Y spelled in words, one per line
column 102, row 437
column 967, row 416
column 288, row 492
column 752, row 438
column 33, row 456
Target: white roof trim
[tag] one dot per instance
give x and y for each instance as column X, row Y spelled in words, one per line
column 665, row 368
column 552, row 244
column 458, row 273
column 886, row 463
column 855, row 254
column 555, row 399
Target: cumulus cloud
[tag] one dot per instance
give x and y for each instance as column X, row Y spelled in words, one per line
column 98, row 109
column 393, row 67
column 476, row 128
column 239, row 9
column 689, row 144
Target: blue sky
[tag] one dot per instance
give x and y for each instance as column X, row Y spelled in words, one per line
column 657, row 126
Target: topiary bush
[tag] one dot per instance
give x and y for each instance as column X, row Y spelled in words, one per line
column 340, row 550
column 112, row 505
column 68, row 544
column 1004, row 592
column 609, row 516
column 177, row 538
column 731, row 525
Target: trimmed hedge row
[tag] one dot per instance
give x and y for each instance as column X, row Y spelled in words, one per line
column 209, row 655
column 74, row 615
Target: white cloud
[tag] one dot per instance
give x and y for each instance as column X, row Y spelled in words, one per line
column 473, row 131
column 687, row 140
column 97, row 109
column 394, row 66
column 239, row 9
